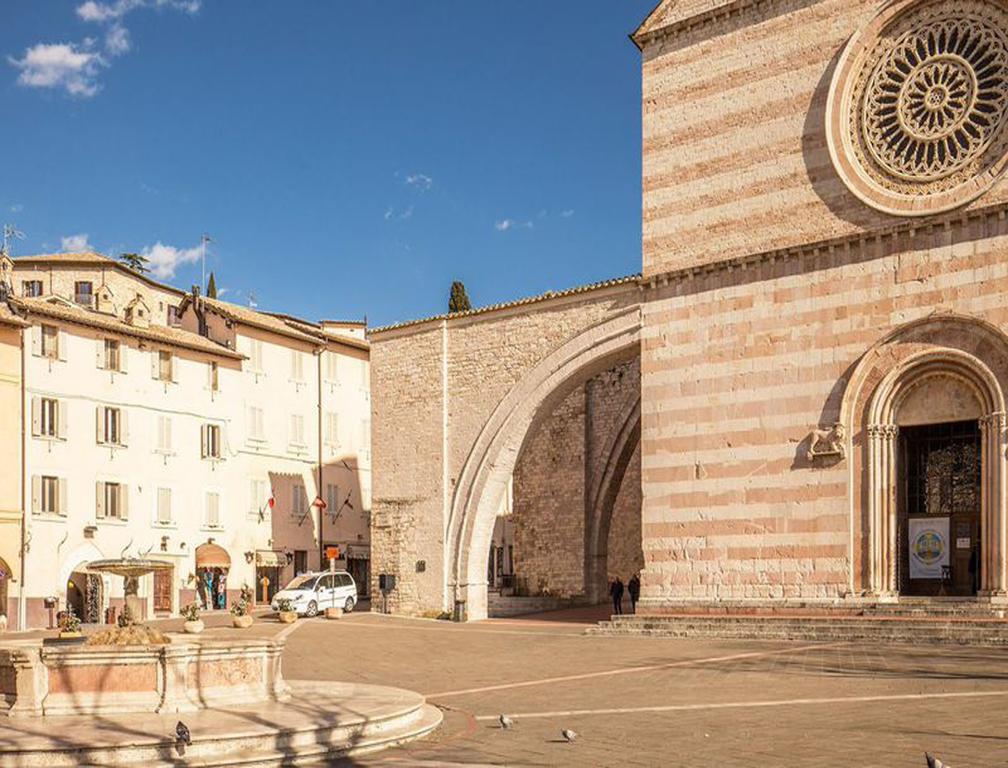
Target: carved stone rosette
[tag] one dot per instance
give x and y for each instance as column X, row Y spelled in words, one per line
column 917, row 118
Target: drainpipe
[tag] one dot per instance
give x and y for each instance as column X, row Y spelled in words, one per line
column 22, row 604
column 321, row 416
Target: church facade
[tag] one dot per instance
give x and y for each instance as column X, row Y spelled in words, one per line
column 820, row 321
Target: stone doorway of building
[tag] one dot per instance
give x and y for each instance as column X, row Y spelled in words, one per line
column 163, row 580
column 84, row 595
column 938, row 530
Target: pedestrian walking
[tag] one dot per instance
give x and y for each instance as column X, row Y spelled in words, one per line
column 633, row 587
column 616, row 591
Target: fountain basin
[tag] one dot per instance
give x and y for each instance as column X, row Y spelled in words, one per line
column 184, row 676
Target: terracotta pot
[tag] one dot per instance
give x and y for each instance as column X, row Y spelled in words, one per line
column 334, row 613
column 287, row 617
column 193, row 627
column 242, row 622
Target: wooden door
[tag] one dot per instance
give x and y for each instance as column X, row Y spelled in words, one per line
column 162, row 590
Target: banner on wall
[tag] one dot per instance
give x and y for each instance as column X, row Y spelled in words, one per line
column 929, row 546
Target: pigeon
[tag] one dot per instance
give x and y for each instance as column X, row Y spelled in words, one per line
column 569, row 735
column 182, row 731
column 506, row 722
column 934, row 762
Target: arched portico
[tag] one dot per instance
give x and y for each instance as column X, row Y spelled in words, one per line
column 941, row 369
column 491, row 461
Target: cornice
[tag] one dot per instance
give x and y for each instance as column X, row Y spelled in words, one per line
column 697, row 20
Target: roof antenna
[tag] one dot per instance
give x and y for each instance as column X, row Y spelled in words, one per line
column 253, row 304
column 10, row 232
column 204, row 240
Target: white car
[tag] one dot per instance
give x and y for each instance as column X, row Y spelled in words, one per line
column 311, row 593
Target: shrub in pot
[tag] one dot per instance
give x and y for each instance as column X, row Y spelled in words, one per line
column 285, row 611
column 71, row 625
column 241, row 615
column 193, row 624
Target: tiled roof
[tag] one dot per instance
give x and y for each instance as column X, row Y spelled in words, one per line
column 175, row 337
column 254, row 318
column 516, row 303
column 316, row 330
column 9, row 317
column 95, row 259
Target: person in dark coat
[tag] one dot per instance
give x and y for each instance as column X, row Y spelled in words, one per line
column 616, row 590
column 633, row 587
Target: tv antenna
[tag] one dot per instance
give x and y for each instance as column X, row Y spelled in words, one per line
column 252, row 300
column 10, row 232
column 204, row 241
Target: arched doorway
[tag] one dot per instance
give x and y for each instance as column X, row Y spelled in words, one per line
column 489, row 466
column 84, row 596
column 927, row 408
column 212, row 566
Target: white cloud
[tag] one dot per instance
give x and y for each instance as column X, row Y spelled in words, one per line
column 75, row 243
column 503, row 225
column 402, row 214
column 568, row 213
column 117, row 40
column 100, row 12
column 16, row 208
column 165, row 259
column 420, row 181
column 60, row 65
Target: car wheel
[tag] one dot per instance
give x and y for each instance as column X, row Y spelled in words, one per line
column 348, row 605
column 312, row 609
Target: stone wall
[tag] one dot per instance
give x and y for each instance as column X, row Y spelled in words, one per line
column 739, row 366
column 735, row 158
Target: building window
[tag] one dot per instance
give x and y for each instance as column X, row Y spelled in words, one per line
column 112, row 353
column 211, row 441
column 255, row 356
column 49, row 417
column 49, row 496
column 259, row 499
column 299, row 501
column 297, row 430
column 164, row 510
column 213, row 510
column 213, row 377
column 300, row 562
column 332, row 428
column 164, row 434
column 84, row 293
column 31, row 287
column 164, row 365
column 332, row 366
column 111, row 426
column 50, row 341
column 173, row 315
column 332, row 498
column 255, row 423
column 297, row 365
column 111, row 501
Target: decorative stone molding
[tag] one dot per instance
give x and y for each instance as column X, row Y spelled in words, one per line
column 827, row 443
column 917, row 116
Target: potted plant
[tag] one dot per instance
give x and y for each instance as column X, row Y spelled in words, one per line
column 71, row 624
column 241, row 615
column 193, row 624
column 285, row 611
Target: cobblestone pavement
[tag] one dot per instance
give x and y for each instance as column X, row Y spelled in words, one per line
column 652, row 701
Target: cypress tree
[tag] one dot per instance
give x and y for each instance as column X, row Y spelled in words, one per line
column 211, row 287
column 459, row 299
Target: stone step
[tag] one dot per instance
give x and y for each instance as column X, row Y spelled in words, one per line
column 930, row 630
column 323, row 721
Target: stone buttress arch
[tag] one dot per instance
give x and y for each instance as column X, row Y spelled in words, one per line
column 974, row 354
column 491, row 461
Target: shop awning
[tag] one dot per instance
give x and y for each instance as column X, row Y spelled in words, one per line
column 212, row 556
column 270, row 559
column 358, row 552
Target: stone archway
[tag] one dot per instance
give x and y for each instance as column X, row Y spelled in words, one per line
column 491, row 461
column 953, row 367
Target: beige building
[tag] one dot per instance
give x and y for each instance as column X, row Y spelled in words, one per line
column 820, row 326
column 194, row 440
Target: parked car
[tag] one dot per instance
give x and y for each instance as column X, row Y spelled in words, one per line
column 311, row 593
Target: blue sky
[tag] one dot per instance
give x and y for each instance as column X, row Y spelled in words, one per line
column 347, row 158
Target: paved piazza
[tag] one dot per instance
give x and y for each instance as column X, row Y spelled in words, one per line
column 652, row 701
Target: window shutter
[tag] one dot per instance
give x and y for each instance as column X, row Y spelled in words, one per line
column 36, row 340
column 62, row 500
column 123, row 427
column 36, row 501
column 61, row 344
column 100, row 500
column 203, row 441
column 61, row 420
column 168, row 437
column 123, row 354
column 36, row 416
column 100, row 354
column 154, row 358
column 123, row 501
column 174, row 368
column 99, row 425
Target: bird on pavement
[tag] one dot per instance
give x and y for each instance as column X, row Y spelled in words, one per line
column 569, row 735
column 506, row 722
column 183, row 733
column 934, row 762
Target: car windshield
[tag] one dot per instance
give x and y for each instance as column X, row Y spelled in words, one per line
column 301, row 582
